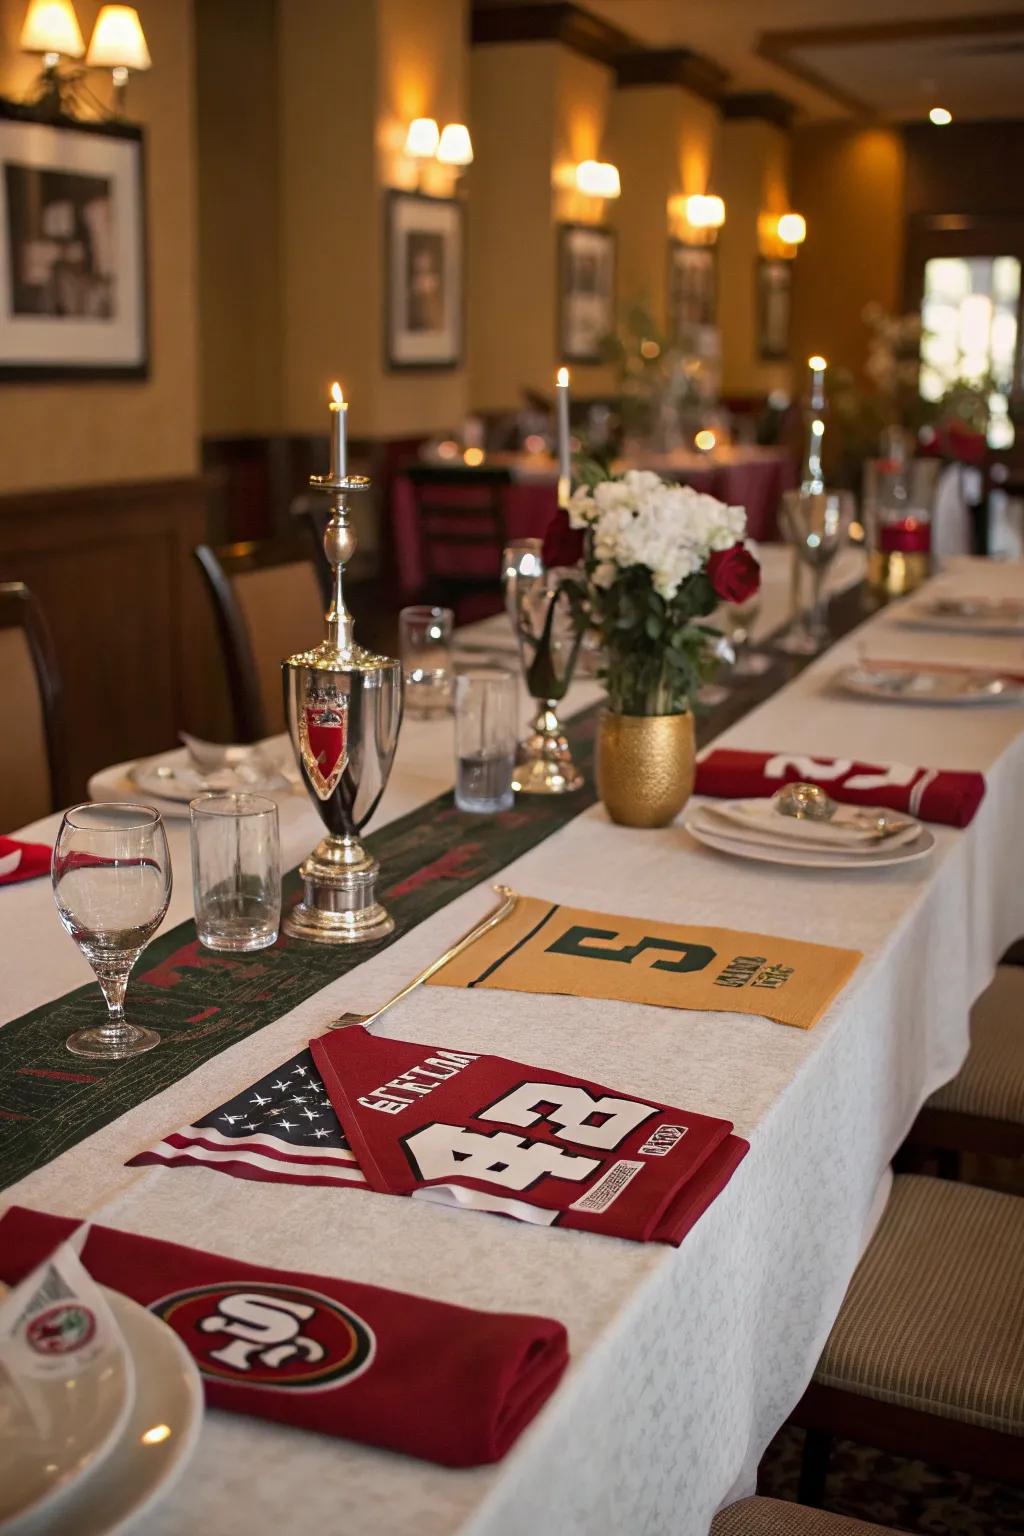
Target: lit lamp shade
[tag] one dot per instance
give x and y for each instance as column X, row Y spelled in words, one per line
column 51, row 26
column 422, row 139
column 704, row 211
column 456, row 146
column 118, row 41
column 792, row 228
column 597, row 178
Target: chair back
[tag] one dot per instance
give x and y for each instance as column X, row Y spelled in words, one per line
column 32, row 742
column 461, row 524
column 268, row 604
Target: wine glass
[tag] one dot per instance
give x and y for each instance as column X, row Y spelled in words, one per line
column 111, row 876
column 737, row 622
column 522, row 564
column 815, row 523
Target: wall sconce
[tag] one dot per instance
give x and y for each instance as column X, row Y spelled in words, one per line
column 422, row 139
column 118, row 43
column 51, row 29
column 792, row 229
column 455, row 146
column 597, row 178
column 705, row 211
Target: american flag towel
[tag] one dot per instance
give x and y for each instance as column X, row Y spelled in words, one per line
column 281, row 1129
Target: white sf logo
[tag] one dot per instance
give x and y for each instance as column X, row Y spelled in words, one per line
column 266, row 1328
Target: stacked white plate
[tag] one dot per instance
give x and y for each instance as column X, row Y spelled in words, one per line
column 170, row 780
column 755, row 829
column 912, row 684
column 87, row 1453
column 965, row 615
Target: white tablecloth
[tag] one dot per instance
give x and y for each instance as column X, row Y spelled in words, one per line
column 684, row 1362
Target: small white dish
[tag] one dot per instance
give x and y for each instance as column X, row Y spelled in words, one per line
column 919, row 685
column 56, row 1432
column 700, row 827
column 965, row 615
column 160, row 1435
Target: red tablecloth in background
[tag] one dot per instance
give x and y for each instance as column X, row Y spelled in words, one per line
column 756, row 484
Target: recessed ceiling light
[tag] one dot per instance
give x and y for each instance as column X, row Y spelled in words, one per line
column 940, row 116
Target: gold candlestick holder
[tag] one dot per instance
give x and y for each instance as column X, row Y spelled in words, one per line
column 344, row 710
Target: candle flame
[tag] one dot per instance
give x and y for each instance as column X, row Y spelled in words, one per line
column 563, row 378
column 817, row 363
column 337, row 398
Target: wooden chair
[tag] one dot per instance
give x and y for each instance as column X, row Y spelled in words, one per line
column 779, row 1517
column 981, row 1110
column 461, row 518
column 926, row 1357
column 32, row 757
column 268, row 603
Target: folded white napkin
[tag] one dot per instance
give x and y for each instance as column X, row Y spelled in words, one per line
column 208, row 755
column 757, row 821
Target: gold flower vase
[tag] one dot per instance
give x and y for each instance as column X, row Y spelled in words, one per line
column 645, row 767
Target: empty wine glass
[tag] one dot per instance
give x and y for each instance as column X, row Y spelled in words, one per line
column 522, row 564
column 815, row 523
column 111, row 876
column 737, row 622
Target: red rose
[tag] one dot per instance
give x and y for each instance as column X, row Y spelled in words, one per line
column 563, row 545
column 734, row 574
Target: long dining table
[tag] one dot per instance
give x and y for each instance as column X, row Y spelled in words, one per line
column 684, row 1361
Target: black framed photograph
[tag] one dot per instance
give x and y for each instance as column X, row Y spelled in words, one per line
column 692, row 297
column 73, row 282
column 586, row 291
column 774, row 301
column 425, row 281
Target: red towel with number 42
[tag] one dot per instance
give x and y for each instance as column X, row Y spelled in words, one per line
column 487, row 1133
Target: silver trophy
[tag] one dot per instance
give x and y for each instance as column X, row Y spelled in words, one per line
column 344, row 709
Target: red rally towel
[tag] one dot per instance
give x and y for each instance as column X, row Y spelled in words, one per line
column 431, row 1380
column 933, row 794
column 491, row 1134
column 22, row 861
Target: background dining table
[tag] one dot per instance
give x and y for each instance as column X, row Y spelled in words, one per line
column 683, row 1361
column 749, row 476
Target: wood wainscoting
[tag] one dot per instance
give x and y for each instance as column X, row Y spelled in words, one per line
column 133, row 632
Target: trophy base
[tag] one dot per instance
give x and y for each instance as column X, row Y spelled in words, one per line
column 339, row 904
column 544, row 764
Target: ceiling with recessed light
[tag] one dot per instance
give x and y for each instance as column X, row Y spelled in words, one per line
column 892, row 59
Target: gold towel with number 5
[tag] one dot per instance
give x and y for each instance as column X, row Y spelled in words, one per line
column 543, row 947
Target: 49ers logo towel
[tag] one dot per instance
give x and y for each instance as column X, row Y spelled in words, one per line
column 444, row 1383
column 492, row 1134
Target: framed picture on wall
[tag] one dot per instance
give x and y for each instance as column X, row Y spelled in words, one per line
column 586, row 291
column 425, row 281
column 692, row 299
column 73, row 283
column 774, row 297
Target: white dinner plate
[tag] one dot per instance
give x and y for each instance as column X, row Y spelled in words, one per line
column 966, row 615
column 55, row 1433
column 918, row 685
column 806, row 858
column 157, row 1440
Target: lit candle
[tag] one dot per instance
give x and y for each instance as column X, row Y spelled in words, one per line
column 339, row 448
column 817, row 366
column 564, row 448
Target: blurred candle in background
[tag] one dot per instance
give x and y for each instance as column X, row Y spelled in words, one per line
column 564, row 448
column 817, row 365
column 339, row 447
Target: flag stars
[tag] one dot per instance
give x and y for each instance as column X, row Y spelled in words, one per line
column 311, row 1114
column 281, row 1087
column 230, row 1119
column 320, row 1133
column 258, row 1101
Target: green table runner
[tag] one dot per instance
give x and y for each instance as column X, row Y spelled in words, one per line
column 202, row 1002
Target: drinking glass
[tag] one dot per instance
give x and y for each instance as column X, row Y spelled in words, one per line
column 425, row 644
column 236, row 871
column 522, row 564
column 815, row 523
column 486, row 727
column 111, row 876
column 737, row 621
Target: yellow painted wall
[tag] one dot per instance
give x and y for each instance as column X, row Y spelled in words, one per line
column 350, row 76
column 753, row 178
column 537, row 110
column 848, row 182
column 663, row 140
column 239, row 235
column 54, row 435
